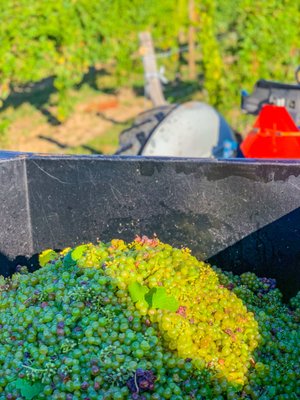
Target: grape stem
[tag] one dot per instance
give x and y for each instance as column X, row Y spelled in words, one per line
column 155, row 269
column 136, row 384
column 34, row 369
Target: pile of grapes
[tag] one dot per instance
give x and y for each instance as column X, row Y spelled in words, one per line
column 144, row 320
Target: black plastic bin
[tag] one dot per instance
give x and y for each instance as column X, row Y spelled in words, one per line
column 241, row 215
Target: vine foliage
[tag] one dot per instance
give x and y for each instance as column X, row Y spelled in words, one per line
column 239, row 41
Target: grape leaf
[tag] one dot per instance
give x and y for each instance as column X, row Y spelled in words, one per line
column 47, row 256
column 28, row 390
column 137, row 291
column 149, row 296
column 78, row 252
column 68, row 260
column 158, row 298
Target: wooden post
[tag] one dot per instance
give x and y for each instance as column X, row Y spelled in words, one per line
column 153, row 86
column 191, row 41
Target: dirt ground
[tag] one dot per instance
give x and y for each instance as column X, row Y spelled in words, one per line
column 96, row 120
column 90, row 119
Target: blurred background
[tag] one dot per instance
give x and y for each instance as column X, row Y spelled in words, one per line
column 72, row 74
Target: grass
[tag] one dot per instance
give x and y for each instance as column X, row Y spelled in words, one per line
column 107, row 143
column 40, row 108
column 42, row 103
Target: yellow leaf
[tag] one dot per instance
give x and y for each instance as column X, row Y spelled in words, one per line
column 46, row 256
column 65, row 251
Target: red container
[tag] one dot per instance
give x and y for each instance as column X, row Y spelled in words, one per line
column 274, row 135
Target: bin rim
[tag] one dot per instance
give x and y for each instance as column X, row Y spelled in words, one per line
column 12, row 155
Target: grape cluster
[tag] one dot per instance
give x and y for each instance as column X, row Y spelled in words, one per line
column 295, row 305
column 276, row 367
column 257, row 285
column 209, row 324
column 140, row 382
column 73, row 330
column 268, row 284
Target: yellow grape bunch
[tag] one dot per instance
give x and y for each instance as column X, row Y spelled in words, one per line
column 198, row 318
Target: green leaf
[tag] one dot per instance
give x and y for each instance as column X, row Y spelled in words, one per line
column 149, row 296
column 28, row 390
column 158, row 298
column 137, row 291
column 68, row 260
column 77, row 253
column 47, row 256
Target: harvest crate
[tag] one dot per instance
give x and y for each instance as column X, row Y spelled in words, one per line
column 241, row 215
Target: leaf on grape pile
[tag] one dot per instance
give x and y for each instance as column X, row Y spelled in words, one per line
column 158, row 298
column 77, row 253
column 137, row 291
column 68, row 260
column 149, row 296
column 28, row 390
column 47, row 256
